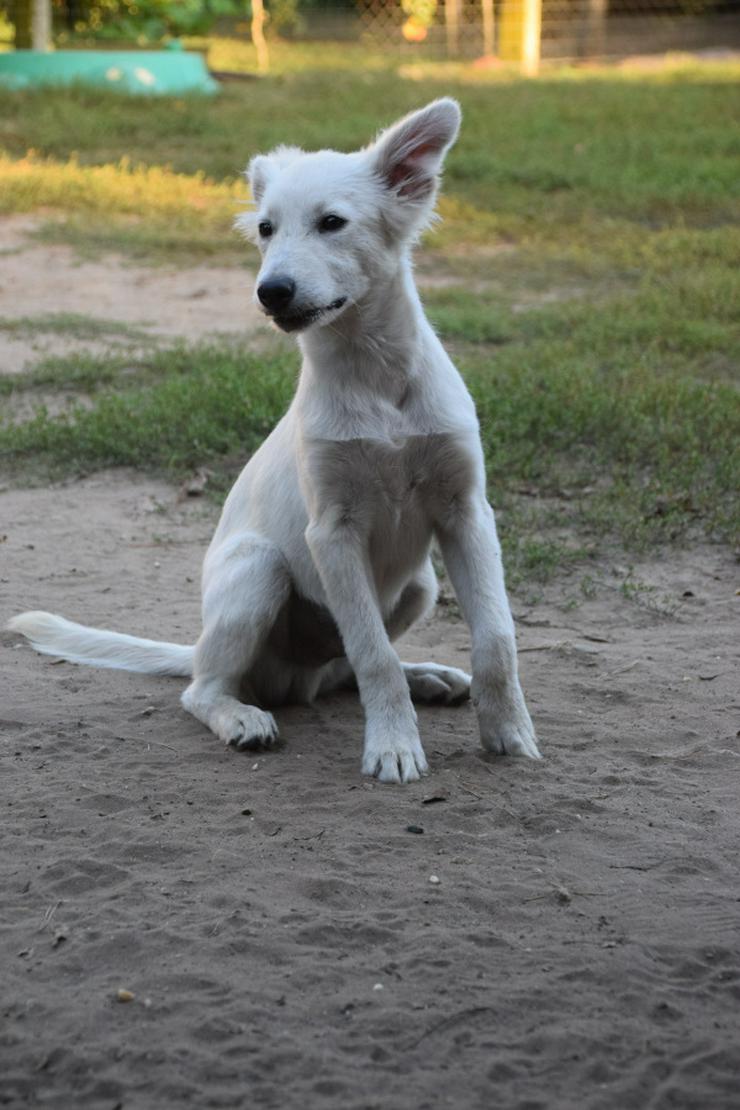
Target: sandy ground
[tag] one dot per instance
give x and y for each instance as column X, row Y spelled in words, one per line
column 165, row 301
column 273, row 914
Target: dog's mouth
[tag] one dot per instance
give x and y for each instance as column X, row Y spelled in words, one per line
column 299, row 321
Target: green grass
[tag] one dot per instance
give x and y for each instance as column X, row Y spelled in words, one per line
column 639, row 452
column 80, row 371
column 146, row 211
column 153, row 242
column 547, row 161
column 72, row 325
column 650, row 149
column 74, row 373
column 585, row 279
column 185, row 406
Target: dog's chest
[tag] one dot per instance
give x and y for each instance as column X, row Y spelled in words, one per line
column 394, row 486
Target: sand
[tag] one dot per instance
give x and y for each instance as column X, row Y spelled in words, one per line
column 272, row 914
column 163, row 302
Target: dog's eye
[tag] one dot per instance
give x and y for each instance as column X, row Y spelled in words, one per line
column 331, row 222
column 265, row 229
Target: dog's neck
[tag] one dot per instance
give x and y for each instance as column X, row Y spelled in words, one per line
column 375, row 344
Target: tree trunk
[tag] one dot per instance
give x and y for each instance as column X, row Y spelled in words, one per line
column 258, row 38
column 41, row 27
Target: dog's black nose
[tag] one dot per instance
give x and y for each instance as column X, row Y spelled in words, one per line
column 276, row 293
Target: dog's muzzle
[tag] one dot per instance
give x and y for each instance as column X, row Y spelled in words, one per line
column 289, row 318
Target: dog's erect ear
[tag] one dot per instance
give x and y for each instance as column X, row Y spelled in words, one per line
column 258, row 172
column 409, row 155
column 261, row 171
column 265, row 167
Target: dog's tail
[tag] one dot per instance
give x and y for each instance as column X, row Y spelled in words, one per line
column 99, row 648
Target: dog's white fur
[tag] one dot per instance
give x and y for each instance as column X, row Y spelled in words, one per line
column 321, row 557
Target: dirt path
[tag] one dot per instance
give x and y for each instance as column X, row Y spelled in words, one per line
column 164, row 301
column 273, row 915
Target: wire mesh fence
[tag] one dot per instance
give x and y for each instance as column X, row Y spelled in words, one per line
column 516, row 31
column 511, row 29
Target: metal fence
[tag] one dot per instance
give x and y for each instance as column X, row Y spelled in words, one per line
column 507, row 29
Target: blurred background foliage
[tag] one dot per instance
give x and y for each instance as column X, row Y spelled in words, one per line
column 144, row 22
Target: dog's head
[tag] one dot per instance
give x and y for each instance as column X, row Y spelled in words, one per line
column 330, row 224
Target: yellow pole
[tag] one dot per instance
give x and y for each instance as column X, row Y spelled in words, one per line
column 520, row 26
column 532, row 37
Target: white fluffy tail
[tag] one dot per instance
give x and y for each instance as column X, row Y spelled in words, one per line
column 99, row 648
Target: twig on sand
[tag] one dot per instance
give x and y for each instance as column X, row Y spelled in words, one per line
column 621, row 670
column 469, row 790
column 48, row 916
column 564, row 895
column 640, row 866
column 448, row 1022
column 145, row 740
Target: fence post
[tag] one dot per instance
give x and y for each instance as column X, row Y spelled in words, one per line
column 487, row 13
column 520, row 26
column 596, row 13
column 452, row 26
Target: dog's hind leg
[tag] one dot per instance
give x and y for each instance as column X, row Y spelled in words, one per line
column 246, row 582
column 428, row 682
column 417, row 598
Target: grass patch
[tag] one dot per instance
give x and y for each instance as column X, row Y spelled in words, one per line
column 144, row 211
column 644, row 149
column 71, row 325
column 531, row 558
column 550, row 418
column 80, row 372
column 194, row 405
column 458, row 315
column 663, row 323
column 667, row 444
column 123, row 189
column 596, row 164
column 153, row 242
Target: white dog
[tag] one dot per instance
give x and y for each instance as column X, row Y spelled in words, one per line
column 321, row 557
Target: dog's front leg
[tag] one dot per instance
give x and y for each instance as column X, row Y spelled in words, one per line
column 472, row 554
column 393, row 751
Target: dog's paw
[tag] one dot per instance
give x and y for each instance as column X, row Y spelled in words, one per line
column 248, row 727
column 508, row 732
column 432, row 683
column 394, row 758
